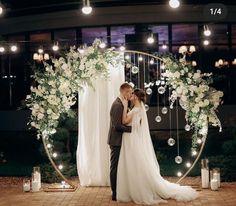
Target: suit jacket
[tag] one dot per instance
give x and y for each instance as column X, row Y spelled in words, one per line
column 116, row 127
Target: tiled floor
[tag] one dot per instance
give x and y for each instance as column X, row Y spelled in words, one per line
column 11, row 195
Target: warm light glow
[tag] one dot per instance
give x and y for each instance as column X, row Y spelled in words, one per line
column 206, row 42
column 152, row 61
column 13, row 48
column 234, row 62
column 164, row 46
column 49, row 145
column 1, row 9
column 46, row 56
column 199, row 141
column 55, row 47
column 179, row 174
column 162, row 66
column 174, row 4
column 127, row 57
column 2, row 49
column 194, row 153
column 194, row 63
column 60, row 167
column 86, row 9
column 221, row 62
column 207, row 31
column 151, row 39
column 102, row 45
column 122, row 48
column 188, row 164
column 183, row 49
column 192, row 48
column 140, row 58
column 40, row 50
column 54, row 154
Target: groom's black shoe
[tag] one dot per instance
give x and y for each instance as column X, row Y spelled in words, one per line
column 113, row 198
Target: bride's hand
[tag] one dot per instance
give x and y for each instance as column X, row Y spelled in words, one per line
column 125, row 102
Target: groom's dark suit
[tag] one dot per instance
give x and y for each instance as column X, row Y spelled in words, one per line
column 115, row 139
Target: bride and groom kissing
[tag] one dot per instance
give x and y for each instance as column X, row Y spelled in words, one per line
column 134, row 170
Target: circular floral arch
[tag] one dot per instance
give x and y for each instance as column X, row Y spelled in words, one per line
column 58, row 86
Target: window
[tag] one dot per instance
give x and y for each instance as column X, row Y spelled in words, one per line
column 65, row 37
column 118, row 34
column 184, row 34
column 90, row 34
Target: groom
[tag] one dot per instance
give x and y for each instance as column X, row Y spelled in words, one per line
column 115, row 132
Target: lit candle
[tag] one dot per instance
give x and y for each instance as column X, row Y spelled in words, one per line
column 216, row 176
column 35, row 186
column 205, row 177
column 214, row 184
column 26, row 186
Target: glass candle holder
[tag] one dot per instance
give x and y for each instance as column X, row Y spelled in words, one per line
column 205, row 173
column 216, row 175
column 214, row 181
column 37, row 175
column 35, row 183
column 26, row 185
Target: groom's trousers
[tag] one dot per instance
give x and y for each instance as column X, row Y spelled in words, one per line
column 115, row 153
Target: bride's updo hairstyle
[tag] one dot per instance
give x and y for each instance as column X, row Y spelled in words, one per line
column 140, row 94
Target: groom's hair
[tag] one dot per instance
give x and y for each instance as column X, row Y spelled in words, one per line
column 125, row 86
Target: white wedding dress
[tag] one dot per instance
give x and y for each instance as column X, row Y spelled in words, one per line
column 138, row 176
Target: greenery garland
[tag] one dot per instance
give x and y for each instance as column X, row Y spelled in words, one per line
column 196, row 97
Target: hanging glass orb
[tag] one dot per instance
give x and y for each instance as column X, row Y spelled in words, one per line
column 163, row 82
column 135, row 69
column 146, row 107
column 161, row 90
column 164, row 110
column 158, row 118
column 149, row 91
column 187, row 127
column 178, row 159
column 171, row 142
column 158, row 82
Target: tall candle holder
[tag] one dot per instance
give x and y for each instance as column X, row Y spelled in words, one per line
column 37, row 175
column 205, row 173
column 216, row 175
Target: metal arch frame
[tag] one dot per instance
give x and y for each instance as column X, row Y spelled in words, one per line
column 74, row 187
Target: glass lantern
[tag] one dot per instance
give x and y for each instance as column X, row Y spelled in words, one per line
column 205, row 173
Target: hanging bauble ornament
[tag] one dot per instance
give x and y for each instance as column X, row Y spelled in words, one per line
column 146, row 107
column 178, row 159
column 158, row 118
column 161, row 90
column 135, row 69
column 163, row 82
column 164, row 110
column 158, row 82
column 149, row 91
column 171, row 142
column 187, row 127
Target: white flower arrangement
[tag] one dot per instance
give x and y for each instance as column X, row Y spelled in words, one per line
column 196, row 97
column 59, row 84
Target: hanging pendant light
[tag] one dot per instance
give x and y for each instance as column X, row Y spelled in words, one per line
column 87, row 9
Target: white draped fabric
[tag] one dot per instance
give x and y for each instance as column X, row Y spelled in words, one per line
column 94, row 107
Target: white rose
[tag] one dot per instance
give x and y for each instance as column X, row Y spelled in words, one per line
column 49, row 111
column 40, row 116
column 206, row 102
column 196, row 75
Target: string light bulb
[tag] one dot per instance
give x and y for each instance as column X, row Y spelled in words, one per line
column 102, row 44
column 1, row 8
column 2, row 49
column 164, row 46
column 188, row 164
column 54, row 154
column 55, row 47
column 206, row 42
column 207, row 31
column 86, row 9
column 174, row 4
column 122, row 48
column 179, row 174
column 150, row 39
column 13, row 48
column 60, row 167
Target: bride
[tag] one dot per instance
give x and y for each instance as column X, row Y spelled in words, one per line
column 138, row 176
